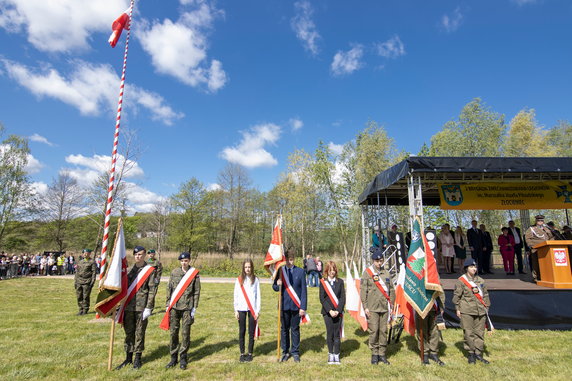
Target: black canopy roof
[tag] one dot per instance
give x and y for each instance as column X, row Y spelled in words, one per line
column 392, row 183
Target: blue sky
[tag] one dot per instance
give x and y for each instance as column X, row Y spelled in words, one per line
column 211, row 82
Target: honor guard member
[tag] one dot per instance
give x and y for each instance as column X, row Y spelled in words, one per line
column 153, row 261
column 471, row 300
column 377, row 295
column 534, row 235
column 431, row 335
column 138, row 307
column 183, row 293
column 84, row 279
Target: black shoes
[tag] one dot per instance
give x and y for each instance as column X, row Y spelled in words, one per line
column 246, row 358
column 79, row 313
column 183, row 364
column 481, row 359
column 471, row 358
column 436, row 358
column 296, row 358
column 173, row 362
column 383, row 360
column 285, row 357
column 425, row 360
column 128, row 360
column 374, row 359
column 137, row 362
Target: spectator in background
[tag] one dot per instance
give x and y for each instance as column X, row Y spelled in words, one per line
column 518, row 245
column 487, row 250
column 312, row 272
column 60, row 264
column 51, row 264
column 34, row 265
column 378, row 239
column 506, row 247
column 447, row 248
column 14, row 265
column 26, row 264
column 566, row 232
column 44, row 265
column 460, row 247
column 319, row 267
column 71, row 264
column 3, row 267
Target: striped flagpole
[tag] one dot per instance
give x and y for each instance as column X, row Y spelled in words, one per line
column 114, row 154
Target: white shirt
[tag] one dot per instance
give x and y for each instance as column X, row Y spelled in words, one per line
column 515, row 235
column 253, row 292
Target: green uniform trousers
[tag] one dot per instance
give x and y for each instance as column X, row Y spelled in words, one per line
column 83, row 291
column 474, row 331
column 377, row 327
column 430, row 333
column 134, row 327
column 180, row 320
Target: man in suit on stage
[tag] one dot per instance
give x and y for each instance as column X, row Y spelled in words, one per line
column 476, row 243
column 518, row 245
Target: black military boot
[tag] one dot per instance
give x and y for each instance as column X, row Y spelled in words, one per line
column 383, row 360
column 374, row 359
column 471, row 358
column 128, row 360
column 183, row 365
column 425, row 359
column 481, row 359
column 436, row 358
column 80, row 313
column 173, row 361
column 137, row 362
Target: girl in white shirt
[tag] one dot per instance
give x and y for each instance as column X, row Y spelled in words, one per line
column 243, row 309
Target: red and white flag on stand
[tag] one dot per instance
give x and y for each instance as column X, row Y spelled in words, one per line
column 275, row 255
column 353, row 300
column 122, row 22
column 402, row 306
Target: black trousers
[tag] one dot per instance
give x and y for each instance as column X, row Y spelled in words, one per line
column 333, row 331
column 290, row 327
column 518, row 254
column 486, row 258
column 242, row 330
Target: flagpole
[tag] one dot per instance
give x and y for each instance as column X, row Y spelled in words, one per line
column 111, row 339
column 279, row 320
column 421, row 340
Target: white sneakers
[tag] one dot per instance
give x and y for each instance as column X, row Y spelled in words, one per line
column 334, row 359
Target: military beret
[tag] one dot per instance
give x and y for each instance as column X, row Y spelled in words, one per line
column 151, row 251
column 551, row 224
column 184, row 255
column 376, row 254
column 138, row 249
column 539, row 217
column 86, row 251
column 469, row 262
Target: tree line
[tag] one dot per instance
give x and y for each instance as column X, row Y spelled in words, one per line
column 317, row 194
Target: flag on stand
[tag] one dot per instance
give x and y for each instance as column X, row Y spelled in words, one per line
column 275, row 255
column 421, row 284
column 353, row 299
column 113, row 284
column 122, row 22
column 402, row 306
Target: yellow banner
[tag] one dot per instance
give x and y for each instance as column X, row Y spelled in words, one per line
column 537, row 195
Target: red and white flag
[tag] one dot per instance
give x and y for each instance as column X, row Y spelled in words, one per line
column 122, row 22
column 275, row 255
column 353, row 300
column 402, row 306
column 113, row 283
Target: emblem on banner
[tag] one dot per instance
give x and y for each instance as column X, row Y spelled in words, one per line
column 560, row 257
column 564, row 193
column 452, row 194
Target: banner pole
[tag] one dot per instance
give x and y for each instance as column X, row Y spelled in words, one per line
column 421, row 339
column 279, row 320
column 111, row 339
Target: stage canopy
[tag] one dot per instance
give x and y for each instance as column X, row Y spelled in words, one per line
column 390, row 186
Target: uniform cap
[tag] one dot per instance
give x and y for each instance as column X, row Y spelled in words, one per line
column 151, row 251
column 86, row 251
column 138, row 249
column 469, row 262
column 539, row 217
column 184, row 255
column 376, row 253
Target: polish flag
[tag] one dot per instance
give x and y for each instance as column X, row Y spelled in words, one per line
column 353, row 300
column 402, row 306
column 122, row 22
column 275, row 254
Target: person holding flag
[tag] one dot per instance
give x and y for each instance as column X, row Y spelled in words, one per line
column 377, row 296
column 137, row 307
column 333, row 300
column 183, row 293
column 294, row 304
column 247, row 306
column 471, row 300
column 84, row 279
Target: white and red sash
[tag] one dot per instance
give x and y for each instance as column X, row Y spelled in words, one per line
column 250, row 308
column 479, row 295
column 380, row 285
column 176, row 295
column 295, row 298
column 335, row 302
column 142, row 276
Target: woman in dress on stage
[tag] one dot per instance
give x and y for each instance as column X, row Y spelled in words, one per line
column 447, row 249
column 247, row 306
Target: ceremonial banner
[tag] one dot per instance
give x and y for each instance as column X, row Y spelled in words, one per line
column 113, row 284
column 353, row 301
column 422, row 284
column 275, row 254
column 495, row 196
column 402, row 306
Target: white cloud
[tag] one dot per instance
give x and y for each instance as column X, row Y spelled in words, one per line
column 89, row 88
column 347, row 62
column 391, row 48
column 40, row 139
column 179, row 49
column 141, row 199
column 452, row 23
column 34, row 165
column 296, row 124
column 304, row 26
column 60, row 25
column 250, row 151
column 336, row 149
column 213, row 187
column 88, row 169
column 39, row 187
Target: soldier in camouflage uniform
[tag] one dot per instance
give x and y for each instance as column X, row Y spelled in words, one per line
column 84, row 279
column 537, row 233
column 376, row 308
column 137, row 311
column 431, row 336
column 153, row 261
column 472, row 312
column 182, row 314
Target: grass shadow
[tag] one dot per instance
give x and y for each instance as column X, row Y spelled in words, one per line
column 361, row 333
column 265, row 348
column 160, row 352
column 349, row 346
column 210, row 349
column 312, row 344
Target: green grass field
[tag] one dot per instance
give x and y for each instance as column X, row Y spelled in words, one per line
column 42, row 338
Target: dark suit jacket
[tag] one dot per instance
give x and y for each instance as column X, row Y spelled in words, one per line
column 475, row 239
column 520, row 245
column 299, row 285
column 487, row 241
column 340, row 293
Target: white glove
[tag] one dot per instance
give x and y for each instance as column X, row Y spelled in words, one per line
column 146, row 313
column 193, row 312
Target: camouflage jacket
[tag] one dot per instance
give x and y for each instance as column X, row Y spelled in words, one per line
column 465, row 300
column 86, row 272
column 190, row 298
column 371, row 296
column 145, row 296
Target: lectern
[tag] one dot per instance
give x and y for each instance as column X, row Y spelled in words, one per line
column 554, row 263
